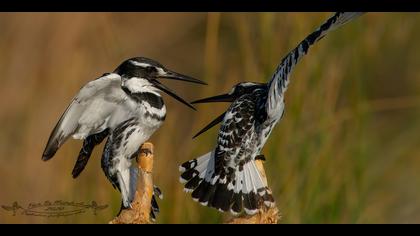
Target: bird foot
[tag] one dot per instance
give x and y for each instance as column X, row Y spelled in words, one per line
column 260, row 157
column 146, row 151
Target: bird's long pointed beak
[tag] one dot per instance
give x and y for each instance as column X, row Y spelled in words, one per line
column 177, row 76
column 213, row 123
column 171, row 93
column 219, row 98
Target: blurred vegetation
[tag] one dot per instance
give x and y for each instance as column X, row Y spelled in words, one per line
column 346, row 151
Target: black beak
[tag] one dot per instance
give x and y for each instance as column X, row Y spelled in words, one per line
column 219, row 98
column 176, row 76
column 170, row 93
column 213, row 123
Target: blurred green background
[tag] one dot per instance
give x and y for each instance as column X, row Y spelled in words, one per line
column 346, row 151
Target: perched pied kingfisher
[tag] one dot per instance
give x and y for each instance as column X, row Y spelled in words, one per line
column 227, row 178
column 124, row 106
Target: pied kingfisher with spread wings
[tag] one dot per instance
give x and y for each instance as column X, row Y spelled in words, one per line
column 227, row 177
column 124, row 106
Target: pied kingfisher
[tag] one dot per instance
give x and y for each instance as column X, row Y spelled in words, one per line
column 124, row 106
column 227, row 177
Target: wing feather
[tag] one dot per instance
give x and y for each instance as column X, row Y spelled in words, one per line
column 237, row 127
column 93, row 93
column 280, row 80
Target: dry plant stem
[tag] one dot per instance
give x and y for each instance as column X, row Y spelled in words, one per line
column 264, row 215
column 140, row 213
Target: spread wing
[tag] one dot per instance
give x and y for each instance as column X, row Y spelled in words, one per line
column 280, row 80
column 89, row 107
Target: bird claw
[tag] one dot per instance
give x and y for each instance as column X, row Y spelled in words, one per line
column 146, row 151
column 260, row 157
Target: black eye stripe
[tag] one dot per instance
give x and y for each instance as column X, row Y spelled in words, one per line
column 151, row 69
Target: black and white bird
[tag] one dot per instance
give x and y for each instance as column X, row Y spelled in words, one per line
column 124, row 106
column 227, row 177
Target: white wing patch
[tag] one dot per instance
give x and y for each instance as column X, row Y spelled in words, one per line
column 88, row 111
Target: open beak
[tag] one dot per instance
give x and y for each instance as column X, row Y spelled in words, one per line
column 213, row 123
column 176, row 76
column 170, row 93
column 220, row 98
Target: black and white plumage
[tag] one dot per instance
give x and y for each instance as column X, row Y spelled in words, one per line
column 126, row 108
column 227, row 178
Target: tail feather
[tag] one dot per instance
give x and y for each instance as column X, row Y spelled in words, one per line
column 251, row 201
column 204, row 193
column 88, row 145
column 222, row 198
column 82, row 159
column 193, row 183
column 242, row 190
column 237, row 204
column 193, row 168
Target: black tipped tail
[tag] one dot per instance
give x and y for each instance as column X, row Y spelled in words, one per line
column 239, row 190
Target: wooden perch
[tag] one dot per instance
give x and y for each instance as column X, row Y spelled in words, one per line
column 140, row 213
column 263, row 216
